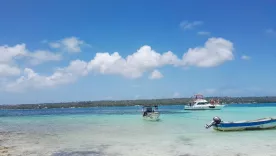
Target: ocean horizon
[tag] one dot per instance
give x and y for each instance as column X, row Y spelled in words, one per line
column 121, row 131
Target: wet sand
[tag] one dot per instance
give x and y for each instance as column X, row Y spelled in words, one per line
column 5, row 150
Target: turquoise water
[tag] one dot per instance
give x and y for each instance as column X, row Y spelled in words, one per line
column 121, row 131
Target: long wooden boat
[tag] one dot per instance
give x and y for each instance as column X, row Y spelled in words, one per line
column 259, row 124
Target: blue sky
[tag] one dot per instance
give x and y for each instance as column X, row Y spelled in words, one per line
column 48, row 49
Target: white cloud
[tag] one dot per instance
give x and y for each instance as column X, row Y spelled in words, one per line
column 245, row 57
column 176, row 94
column 54, row 45
column 9, row 54
column 70, row 44
column 33, row 80
column 156, row 75
column 185, row 25
column 41, row 56
column 77, row 67
column 215, row 52
column 133, row 66
column 7, row 70
column 205, row 33
column 270, row 31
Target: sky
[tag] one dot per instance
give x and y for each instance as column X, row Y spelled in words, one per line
column 68, row 50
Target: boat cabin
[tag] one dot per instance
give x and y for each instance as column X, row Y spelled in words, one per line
column 199, row 102
column 149, row 109
column 198, row 96
column 198, row 99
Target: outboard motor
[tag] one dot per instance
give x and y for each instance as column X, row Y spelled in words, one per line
column 216, row 121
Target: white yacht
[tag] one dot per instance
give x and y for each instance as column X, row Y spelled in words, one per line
column 199, row 103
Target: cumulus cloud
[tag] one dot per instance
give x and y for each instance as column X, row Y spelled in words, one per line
column 156, row 75
column 33, row 80
column 133, row 66
column 203, row 33
column 215, row 52
column 70, row 44
column 11, row 54
column 7, row 70
column 55, row 45
column 245, row 57
column 41, row 56
column 185, row 25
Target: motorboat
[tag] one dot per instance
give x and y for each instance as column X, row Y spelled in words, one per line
column 199, row 103
column 150, row 113
column 259, row 124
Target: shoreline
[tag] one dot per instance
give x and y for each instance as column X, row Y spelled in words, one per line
column 148, row 102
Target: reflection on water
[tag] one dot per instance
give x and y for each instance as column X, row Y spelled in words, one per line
column 121, row 131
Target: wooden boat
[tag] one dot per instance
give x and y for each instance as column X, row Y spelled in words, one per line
column 259, row 124
column 151, row 114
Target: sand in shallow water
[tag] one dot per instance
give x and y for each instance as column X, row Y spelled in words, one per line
column 179, row 134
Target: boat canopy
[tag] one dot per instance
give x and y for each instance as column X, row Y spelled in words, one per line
column 198, row 96
column 148, row 109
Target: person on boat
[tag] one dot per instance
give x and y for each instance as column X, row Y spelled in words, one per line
column 212, row 101
column 145, row 113
column 155, row 108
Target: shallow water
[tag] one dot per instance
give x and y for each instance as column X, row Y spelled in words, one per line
column 121, row 131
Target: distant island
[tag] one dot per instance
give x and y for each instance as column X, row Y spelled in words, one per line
column 141, row 102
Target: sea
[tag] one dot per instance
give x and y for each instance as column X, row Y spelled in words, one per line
column 121, row 131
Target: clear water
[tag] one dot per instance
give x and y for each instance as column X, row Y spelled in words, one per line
column 121, row 131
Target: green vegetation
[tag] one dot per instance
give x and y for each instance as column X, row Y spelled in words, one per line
column 173, row 101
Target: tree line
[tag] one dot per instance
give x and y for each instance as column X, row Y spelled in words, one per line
column 142, row 102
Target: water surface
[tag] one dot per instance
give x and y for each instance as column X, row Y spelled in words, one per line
column 121, row 131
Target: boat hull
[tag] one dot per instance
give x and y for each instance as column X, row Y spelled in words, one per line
column 206, row 107
column 152, row 116
column 261, row 124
